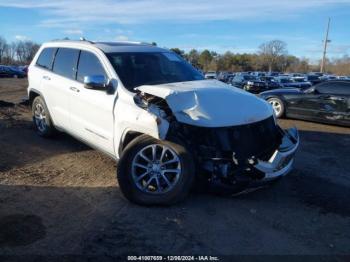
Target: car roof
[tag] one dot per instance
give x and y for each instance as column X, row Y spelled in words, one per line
column 109, row 47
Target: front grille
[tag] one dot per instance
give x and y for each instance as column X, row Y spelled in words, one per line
column 259, row 139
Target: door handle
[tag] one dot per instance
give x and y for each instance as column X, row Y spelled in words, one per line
column 74, row 89
column 46, row 78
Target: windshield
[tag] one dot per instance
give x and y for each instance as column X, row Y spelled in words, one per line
column 137, row 69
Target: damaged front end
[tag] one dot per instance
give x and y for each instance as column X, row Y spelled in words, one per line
column 230, row 155
column 241, row 155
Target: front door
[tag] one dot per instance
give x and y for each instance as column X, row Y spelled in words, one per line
column 91, row 111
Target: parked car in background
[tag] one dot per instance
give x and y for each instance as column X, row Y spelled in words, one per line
column 258, row 74
column 287, row 82
column 346, row 78
column 314, row 79
column 293, row 75
column 328, row 77
column 24, row 69
column 7, row 71
column 273, row 74
column 299, row 79
column 327, row 102
column 210, row 75
column 270, row 82
column 224, row 76
column 249, row 83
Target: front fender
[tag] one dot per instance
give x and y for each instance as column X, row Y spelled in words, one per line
column 137, row 120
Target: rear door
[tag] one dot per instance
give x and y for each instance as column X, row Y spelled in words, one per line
column 57, row 85
column 91, row 111
column 299, row 103
column 334, row 102
column 308, row 105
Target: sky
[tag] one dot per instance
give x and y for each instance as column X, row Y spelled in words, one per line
column 228, row 25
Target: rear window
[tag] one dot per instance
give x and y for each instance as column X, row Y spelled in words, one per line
column 46, row 58
column 334, row 88
column 66, row 62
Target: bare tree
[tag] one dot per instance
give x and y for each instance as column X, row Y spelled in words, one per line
column 25, row 51
column 3, row 46
column 10, row 53
column 272, row 53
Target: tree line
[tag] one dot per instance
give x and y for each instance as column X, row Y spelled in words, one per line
column 17, row 52
column 271, row 56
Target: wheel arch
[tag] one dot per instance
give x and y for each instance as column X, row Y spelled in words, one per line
column 126, row 139
column 33, row 93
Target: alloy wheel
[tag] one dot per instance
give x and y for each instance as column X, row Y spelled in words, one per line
column 276, row 105
column 40, row 117
column 156, row 169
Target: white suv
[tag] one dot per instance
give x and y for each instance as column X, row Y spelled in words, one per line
column 151, row 110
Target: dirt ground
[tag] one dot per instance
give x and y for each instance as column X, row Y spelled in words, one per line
column 59, row 197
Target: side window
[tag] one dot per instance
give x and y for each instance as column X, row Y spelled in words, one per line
column 46, row 58
column 65, row 62
column 341, row 88
column 336, row 88
column 326, row 88
column 89, row 65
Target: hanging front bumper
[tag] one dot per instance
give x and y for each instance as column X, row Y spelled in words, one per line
column 281, row 161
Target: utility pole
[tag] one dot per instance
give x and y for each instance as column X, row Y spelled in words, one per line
column 326, row 41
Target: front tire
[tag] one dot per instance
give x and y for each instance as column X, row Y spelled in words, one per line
column 41, row 118
column 277, row 105
column 155, row 172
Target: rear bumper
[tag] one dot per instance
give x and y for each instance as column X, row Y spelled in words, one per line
column 282, row 160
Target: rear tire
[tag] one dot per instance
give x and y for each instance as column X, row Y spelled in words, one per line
column 41, row 118
column 277, row 105
column 137, row 166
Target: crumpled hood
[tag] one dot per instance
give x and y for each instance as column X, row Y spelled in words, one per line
column 210, row 103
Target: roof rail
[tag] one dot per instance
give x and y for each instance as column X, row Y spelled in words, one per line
column 134, row 42
column 82, row 39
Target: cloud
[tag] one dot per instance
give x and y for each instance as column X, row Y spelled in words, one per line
column 91, row 13
column 22, row 38
column 122, row 38
column 339, row 49
column 73, row 32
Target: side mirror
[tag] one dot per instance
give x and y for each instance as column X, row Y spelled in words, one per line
column 98, row 82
